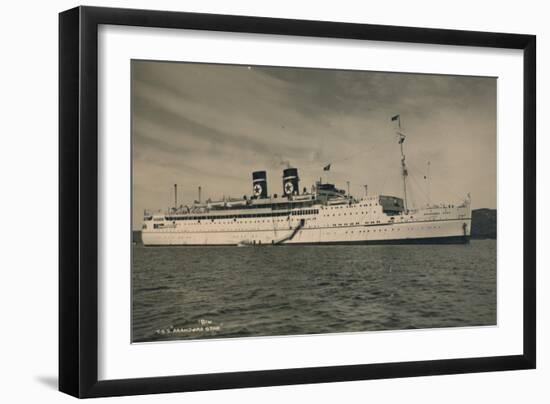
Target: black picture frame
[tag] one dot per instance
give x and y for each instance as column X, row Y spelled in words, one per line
column 78, row 201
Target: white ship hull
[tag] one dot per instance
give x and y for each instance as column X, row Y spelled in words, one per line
column 358, row 223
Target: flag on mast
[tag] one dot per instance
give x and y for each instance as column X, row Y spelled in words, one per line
column 398, row 119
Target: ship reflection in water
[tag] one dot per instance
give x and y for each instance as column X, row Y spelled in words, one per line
column 220, row 292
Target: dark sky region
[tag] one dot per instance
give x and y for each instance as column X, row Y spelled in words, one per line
column 212, row 125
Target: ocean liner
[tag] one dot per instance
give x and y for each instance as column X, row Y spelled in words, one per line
column 323, row 215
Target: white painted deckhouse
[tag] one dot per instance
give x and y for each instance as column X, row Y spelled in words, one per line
column 324, row 215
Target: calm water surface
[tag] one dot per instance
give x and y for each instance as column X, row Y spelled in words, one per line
column 219, row 292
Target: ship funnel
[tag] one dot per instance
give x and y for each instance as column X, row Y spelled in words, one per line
column 291, row 182
column 259, row 184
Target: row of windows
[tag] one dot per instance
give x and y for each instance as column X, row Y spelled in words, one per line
column 280, row 206
column 269, row 215
column 246, row 215
column 235, row 221
column 305, row 212
column 170, row 230
column 271, row 221
column 345, row 214
column 395, row 229
column 275, row 206
column 352, row 206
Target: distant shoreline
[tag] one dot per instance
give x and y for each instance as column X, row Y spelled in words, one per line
column 484, row 223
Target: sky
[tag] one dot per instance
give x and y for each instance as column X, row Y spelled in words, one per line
column 211, row 125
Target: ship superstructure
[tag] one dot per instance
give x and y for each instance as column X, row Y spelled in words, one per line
column 323, row 215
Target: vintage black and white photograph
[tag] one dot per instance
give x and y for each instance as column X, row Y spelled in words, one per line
column 277, row 201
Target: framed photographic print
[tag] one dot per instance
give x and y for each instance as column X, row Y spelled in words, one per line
column 250, row 201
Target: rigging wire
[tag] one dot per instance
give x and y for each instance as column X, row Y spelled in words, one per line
column 449, row 190
column 418, row 186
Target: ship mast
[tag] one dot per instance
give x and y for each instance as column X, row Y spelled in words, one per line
column 404, row 172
